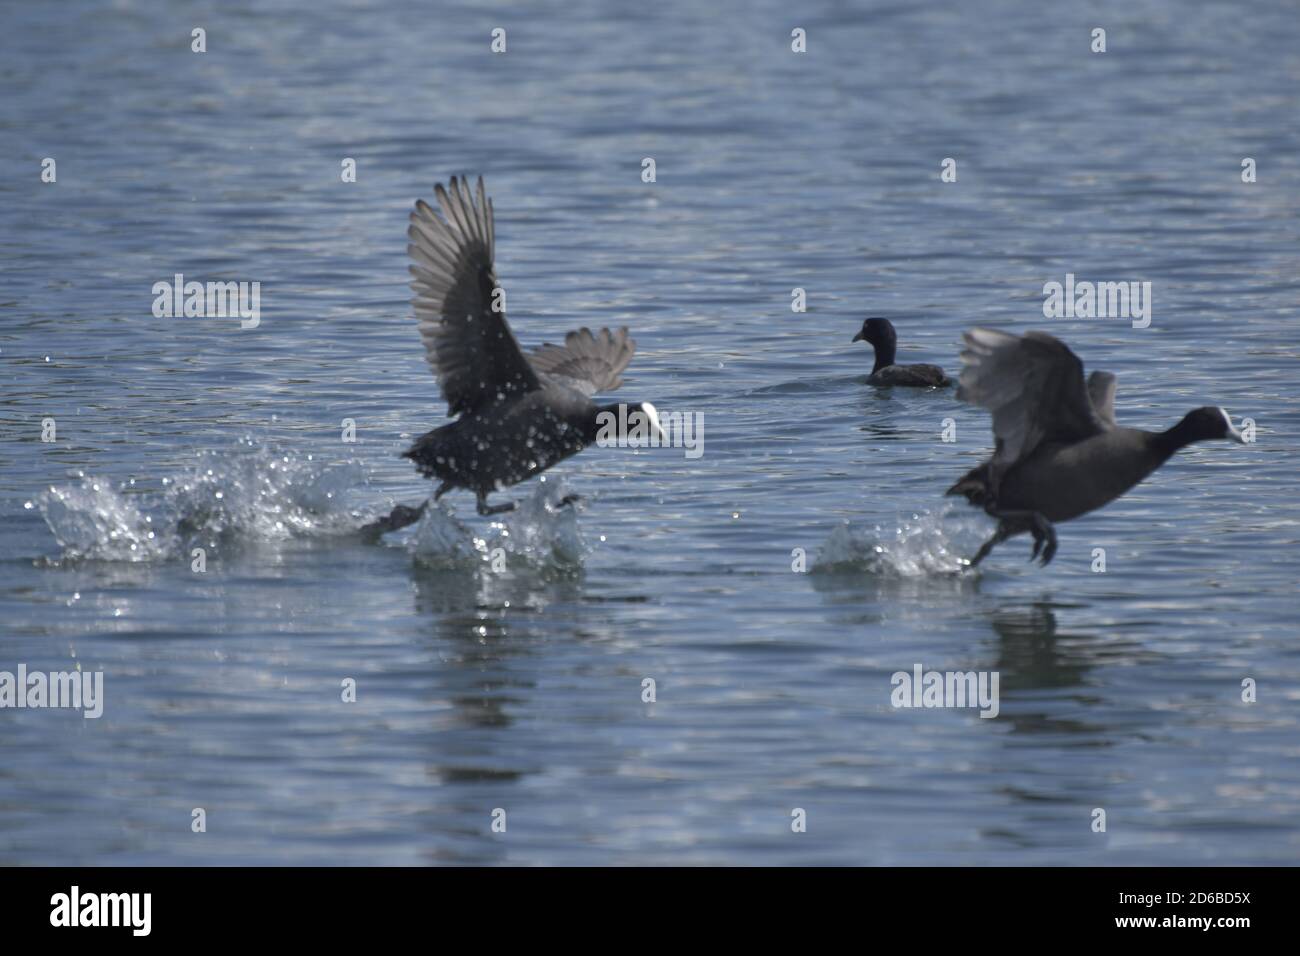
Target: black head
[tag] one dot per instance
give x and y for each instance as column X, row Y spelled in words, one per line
column 1207, row 424
column 878, row 332
column 624, row 424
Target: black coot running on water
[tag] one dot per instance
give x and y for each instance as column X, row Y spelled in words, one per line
column 882, row 337
column 518, row 414
column 1059, row 452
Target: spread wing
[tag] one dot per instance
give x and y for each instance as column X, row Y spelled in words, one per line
column 1033, row 385
column 469, row 345
column 585, row 362
column 1101, row 391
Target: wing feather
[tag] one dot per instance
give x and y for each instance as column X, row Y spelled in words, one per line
column 470, row 347
column 1032, row 384
column 588, row 362
column 1101, row 391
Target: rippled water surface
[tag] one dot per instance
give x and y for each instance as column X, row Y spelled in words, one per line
column 499, row 664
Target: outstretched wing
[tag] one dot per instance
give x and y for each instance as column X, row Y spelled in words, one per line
column 1033, row 385
column 585, row 362
column 1101, row 391
column 469, row 345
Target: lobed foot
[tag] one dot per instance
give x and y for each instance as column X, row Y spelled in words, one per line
column 399, row 517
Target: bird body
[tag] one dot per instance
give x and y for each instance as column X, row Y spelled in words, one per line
column 1063, row 480
column 508, row 442
column 921, row 376
column 1059, row 451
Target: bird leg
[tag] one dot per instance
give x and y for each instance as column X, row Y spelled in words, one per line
column 486, row 509
column 1011, row 523
column 1004, row 531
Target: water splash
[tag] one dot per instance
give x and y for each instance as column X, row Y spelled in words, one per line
column 538, row 534
column 95, row 520
column 918, row 547
column 254, row 494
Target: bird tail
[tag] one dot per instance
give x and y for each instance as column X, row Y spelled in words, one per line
column 974, row 485
column 429, row 454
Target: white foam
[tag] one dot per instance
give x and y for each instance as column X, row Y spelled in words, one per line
column 915, row 547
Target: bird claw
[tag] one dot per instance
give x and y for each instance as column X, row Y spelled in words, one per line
column 569, row 500
column 1018, row 522
column 1044, row 541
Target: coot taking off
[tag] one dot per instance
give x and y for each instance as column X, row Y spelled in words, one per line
column 1059, row 453
column 517, row 416
column 882, row 337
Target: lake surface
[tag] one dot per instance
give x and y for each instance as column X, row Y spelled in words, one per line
column 521, row 690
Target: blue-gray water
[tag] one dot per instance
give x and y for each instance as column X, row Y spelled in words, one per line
column 522, row 690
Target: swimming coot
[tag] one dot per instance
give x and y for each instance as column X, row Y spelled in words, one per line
column 881, row 335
